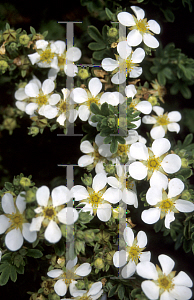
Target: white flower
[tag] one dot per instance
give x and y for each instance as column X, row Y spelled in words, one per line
column 127, row 63
column 133, row 253
column 97, row 198
column 51, row 212
column 144, row 107
column 94, row 292
column 86, row 97
column 14, row 224
column 163, row 284
column 154, row 163
column 166, row 205
column 123, row 182
column 162, row 122
column 92, row 155
column 65, row 109
column 42, row 98
column 67, row 279
column 140, row 28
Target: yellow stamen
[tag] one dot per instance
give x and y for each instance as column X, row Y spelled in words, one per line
column 46, row 56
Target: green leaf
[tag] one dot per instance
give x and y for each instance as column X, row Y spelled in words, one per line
column 34, row 253
column 104, row 109
column 59, row 248
column 99, row 55
column 161, row 78
column 185, row 91
column 94, row 33
column 186, row 173
column 113, row 145
column 96, row 46
column 5, row 275
column 95, row 109
column 112, row 291
column 107, row 140
column 13, row 274
column 110, row 15
column 188, row 140
column 32, row 30
column 167, row 72
column 121, row 292
column 187, row 244
column 120, row 139
column 175, row 88
column 168, row 14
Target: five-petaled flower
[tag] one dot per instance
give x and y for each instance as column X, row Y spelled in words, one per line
column 163, row 284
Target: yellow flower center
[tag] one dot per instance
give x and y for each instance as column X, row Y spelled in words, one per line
column 166, row 205
column 134, row 102
column 134, row 253
column 165, row 283
column 153, row 163
column 142, row 26
column 129, row 184
column 127, row 65
column 49, row 212
column 162, row 120
column 46, row 56
column 84, row 297
column 61, row 60
column 92, row 100
column 95, row 199
column 41, row 99
column 122, row 148
column 16, row 219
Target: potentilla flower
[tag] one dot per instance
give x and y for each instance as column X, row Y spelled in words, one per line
column 154, row 162
column 65, row 108
column 92, row 294
column 98, row 198
column 162, row 122
column 92, row 156
column 133, row 253
column 42, row 98
column 163, row 284
column 64, row 60
column 68, row 278
column 140, row 28
column 51, row 212
column 126, row 64
column 125, row 184
column 86, row 97
column 166, row 205
column 13, row 222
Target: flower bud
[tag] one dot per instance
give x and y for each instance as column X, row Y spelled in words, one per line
column 153, row 100
column 13, row 46
column 103, row 237
column 31, row 195
column 24, row 181
column 83, row 73
column 184, row 163
column 111, row 121
column 9, row 35
column 112, row 32
column 110, row 169
column 186, row 195
column 98, row 263
column 118, row 212
column 33, row 130
column 30, row 213
column 9, row 124
column 3, row 66
column 54, row 297
column 61, row 261
column 124, row 158
column 9, row 111
column 87, row 179
column 109, row 257
column 80, row 285
column 80, row 234
column 24, row 39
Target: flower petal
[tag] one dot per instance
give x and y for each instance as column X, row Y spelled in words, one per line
column 68, row 215
column 126, row 19
column 86, row 147
column 20, row 94
column 151, row 215
column 129, row 269
column 4, row 223
column 99, row 182
column 157, row 132
column 119, row 78
column 139, row 151
column 181, row 292
column 8, row 204
column 145, row 256
column 60, row 195
column 150, row 289
column 147, row 270
column 144, row 106
column 150, row 40
column 52, row 233
column 169, row 218
column 141, row 239
column 70, row 70
column 158, row 110
column 148, row 120
column 171, row 163
column 175, row 187
column 73, row 54
column 166, row 296
column 154, row 195
column 160, row 146
column 55, row 273
column 120, row 258
column 154, row 26
column 159, row 180
column 137, row 170
column 124, row 49
column 135, row 72
column 182, row 279
column 48, row 86
column 84, row 112
column 174, row 116
column 95, row 86
column 42, row 195
column 79, row 192
column 166, row 263
column 130, row 91
column 14, row 239
column 95, row 288
column 60, row 287
column 138, row 11
column 30, row 108
column 29, row 236
column 104, row 212
column 134, row 38
column 138, row 55
column 109, row 64
column 54, row 99
column 128, row 236
column 85, row 160
column 173, row 127
column 79, row 95
column 184, row 206
column 83, row 270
